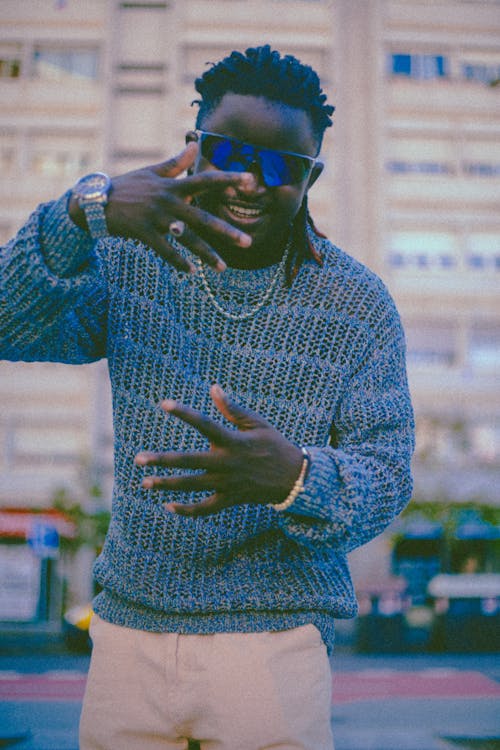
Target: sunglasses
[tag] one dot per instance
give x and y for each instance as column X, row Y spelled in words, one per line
column 277, row 167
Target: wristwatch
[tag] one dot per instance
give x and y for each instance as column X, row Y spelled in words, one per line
column 91, row 192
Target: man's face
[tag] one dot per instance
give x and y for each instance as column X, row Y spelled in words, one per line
column 265, row 213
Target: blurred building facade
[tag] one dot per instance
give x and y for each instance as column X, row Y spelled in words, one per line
column 411, row 188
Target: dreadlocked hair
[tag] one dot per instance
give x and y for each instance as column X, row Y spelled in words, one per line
column 261, row 71
column 302, row 244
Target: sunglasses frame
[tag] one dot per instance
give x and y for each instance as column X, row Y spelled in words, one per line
column 311, row 159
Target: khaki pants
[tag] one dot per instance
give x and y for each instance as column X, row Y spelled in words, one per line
column 229, row 691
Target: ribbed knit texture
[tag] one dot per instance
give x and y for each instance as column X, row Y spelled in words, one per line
column 329, row 351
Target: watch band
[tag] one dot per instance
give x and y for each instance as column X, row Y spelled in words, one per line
column 96, row 219
column 91, row 192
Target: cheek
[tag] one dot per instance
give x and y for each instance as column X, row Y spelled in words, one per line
column 289, row 200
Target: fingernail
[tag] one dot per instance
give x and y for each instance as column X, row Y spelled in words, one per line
column 220, row 266
column 217, row 390
column 244, row 240
column 141, row 459
column 248, row 180
column 169, row 507
column 168, row 404
column 147, row 483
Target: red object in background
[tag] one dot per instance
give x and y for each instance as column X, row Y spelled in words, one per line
column 348, row 687
column 389, row 684
column 16, row 523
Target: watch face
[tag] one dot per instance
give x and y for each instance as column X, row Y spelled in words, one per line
column 93, row 185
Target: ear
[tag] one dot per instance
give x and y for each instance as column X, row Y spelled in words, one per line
column 315, row 173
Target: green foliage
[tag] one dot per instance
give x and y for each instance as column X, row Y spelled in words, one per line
column 450, row 513
column 90, row 526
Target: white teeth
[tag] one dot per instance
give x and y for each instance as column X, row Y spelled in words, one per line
column 244, row 212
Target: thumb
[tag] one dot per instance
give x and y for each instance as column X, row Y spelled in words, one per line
column 178, row 164
column 244, row 419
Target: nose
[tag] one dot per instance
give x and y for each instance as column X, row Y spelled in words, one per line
column 258, row 185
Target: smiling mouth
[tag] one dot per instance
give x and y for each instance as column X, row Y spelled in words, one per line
column 244, row 213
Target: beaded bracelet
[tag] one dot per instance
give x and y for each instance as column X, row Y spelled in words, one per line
column 297, row 487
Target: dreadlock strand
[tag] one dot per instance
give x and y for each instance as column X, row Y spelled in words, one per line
column 298, row 238
column 261, row 71
column 314, row 253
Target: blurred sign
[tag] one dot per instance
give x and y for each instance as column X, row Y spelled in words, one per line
column 43, row 539
column 465, row 586
column 19, row 582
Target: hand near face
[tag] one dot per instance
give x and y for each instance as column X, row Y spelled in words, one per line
column 143, row 203
column 253, row 464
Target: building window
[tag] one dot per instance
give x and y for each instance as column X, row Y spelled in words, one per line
column 430, row 343
column 60, row 64
column 418, row 67
column 10, row 60
column 59, row 164
column 62, row 155
column 10, row 68
column 421, row 156
column 481, row 169
column 399, row 166
column 480, row 72
column 7, row 152
column 483, row 251
column 484, row 346
column 422, row 251
column 39, row 445
column 481, row 157
column 144, row 6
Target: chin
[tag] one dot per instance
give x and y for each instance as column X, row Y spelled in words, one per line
column 241, row 257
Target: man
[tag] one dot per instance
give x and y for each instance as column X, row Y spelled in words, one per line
column 284, row 434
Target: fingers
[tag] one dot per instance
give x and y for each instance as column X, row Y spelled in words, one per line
column 244, row 419
column 212, row 504
column 221, row 470
column 212, row 430
column 184, row 483
column 199, row 183
column 178, row 164
column 145, row 202
column 165, row 250
column 199, row 247
column 203, row 222
column 214, row 179
column 174, row 460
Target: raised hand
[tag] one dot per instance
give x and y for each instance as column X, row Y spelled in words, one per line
column 142, row 204
column 253, row 464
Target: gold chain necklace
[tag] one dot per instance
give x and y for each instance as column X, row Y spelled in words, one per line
column 243, row 316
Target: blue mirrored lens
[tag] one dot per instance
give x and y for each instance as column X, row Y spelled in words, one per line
column 227, row 155
column 277, row 168
column 280, row 169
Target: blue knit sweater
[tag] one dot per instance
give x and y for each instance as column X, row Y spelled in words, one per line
column 325, row 356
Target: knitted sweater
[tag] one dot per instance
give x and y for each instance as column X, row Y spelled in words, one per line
column 322, row 358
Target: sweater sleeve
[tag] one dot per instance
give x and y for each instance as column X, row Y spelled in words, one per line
column 53, row 297
column 355, row 488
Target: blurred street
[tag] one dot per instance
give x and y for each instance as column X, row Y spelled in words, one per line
column 380, row 702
